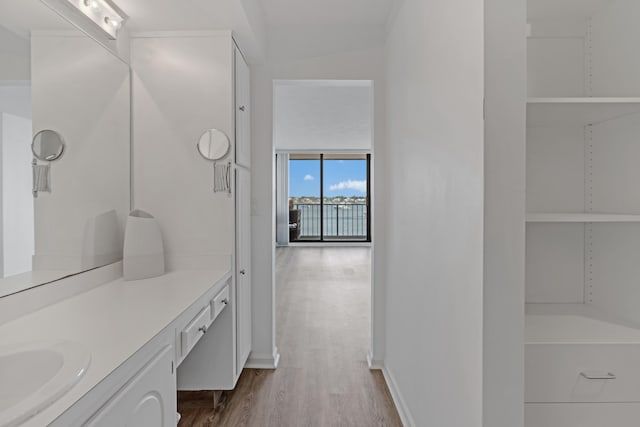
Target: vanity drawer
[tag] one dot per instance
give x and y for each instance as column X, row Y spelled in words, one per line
column 564, row 373
column 192, row 333
column 220, row 301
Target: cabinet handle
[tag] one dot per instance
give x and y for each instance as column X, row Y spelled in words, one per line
column 225, row 301
column 243, row 272
column 203, row 329
column 598, row 376
column 242, row 108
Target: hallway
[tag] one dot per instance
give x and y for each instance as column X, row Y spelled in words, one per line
column 323, row 312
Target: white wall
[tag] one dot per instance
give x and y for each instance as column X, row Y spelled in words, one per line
column 504, row 235
column 354, row 65
column 434, row 257
column 17, row 200
column 182, row 86
column 15, row 98
column 14, row 56
column 83, row 92
column 323, row 116
column 615, row 67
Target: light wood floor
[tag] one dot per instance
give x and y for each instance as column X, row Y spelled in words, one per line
column 323, row 311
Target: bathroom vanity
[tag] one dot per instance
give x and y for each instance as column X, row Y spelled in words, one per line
column 137, row 334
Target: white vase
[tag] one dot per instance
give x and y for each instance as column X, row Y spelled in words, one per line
column 143, row 255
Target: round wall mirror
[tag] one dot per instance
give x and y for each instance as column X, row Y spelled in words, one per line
column 47, row 145
column 213, row 144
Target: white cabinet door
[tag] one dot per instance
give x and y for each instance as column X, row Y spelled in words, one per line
column 148, row 400
column 243, row 111
column 243, row 266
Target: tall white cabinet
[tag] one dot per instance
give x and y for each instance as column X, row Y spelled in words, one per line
column 243, row 208
column 583, row 213
column 185, row 83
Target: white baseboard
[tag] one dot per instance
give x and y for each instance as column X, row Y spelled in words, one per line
column 263, row 361
column 374, row 365
column 401, row 406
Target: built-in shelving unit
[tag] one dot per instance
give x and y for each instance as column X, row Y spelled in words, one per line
column 582, row 256
column 580, row 111
column 554, row 10
column 580, row 217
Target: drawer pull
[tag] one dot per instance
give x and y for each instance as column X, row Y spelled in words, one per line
column 596, row 376
column 225, row 301
column 203, row 329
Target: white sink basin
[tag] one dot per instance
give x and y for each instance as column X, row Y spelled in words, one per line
column 34, row 375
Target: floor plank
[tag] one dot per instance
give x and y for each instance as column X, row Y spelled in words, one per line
column 323, row 312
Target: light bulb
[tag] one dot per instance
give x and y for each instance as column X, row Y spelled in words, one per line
column 112, row 22
column 93, row 4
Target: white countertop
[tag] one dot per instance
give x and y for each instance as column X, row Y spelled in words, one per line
column 113, row 321
column 20, row 282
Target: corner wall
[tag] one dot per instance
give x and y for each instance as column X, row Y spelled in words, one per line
column 505, row 91
column 434, row 224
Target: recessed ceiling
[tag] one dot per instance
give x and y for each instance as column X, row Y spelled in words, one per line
column 148, row 15
column 288, row 27
column 23, row 16
column 151, row 15
column 313, row 27
column 241, row 16
column 327, row 12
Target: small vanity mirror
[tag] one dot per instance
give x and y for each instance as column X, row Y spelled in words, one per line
column 213, row 144
column 47, row 145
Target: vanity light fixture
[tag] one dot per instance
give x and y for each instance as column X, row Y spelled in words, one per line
column 104, row 13
column 92, row 4
column 112, row 22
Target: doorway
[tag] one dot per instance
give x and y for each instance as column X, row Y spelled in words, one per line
column 323, row 141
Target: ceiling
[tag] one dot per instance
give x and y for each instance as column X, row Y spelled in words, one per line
column 22, row 16
column 244, row 17
column 280, row 29
column 275, row 27
column 326, row 12
column 149, row 15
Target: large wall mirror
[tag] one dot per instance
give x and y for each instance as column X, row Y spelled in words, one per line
column 63, row 202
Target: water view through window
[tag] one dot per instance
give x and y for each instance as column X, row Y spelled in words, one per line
column 328, row 197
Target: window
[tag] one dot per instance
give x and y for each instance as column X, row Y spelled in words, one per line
column 330, row 194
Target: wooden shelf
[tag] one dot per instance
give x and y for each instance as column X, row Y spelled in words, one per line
column 580, row 217
column 578, row 111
